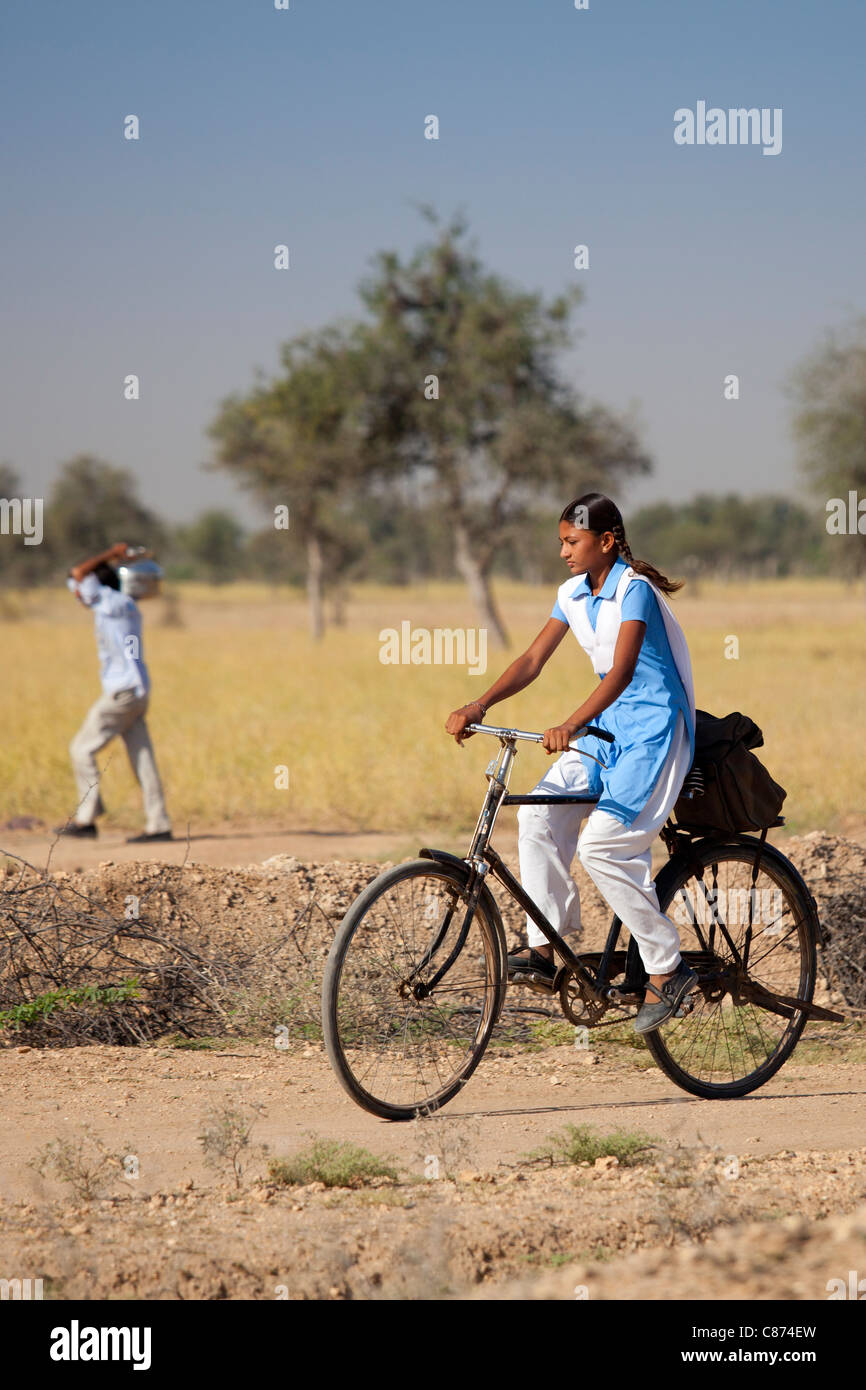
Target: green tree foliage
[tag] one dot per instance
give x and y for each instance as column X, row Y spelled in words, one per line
column 215, row 545
column 91, row 505
column 309, row 440
column 829, row 393
column 483, row 417
column 728, row 536
column 446, row 402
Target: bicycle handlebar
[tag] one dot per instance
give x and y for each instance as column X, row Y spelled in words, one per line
column 537, row 738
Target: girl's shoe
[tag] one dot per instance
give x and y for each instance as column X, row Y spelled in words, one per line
column 671, row 996
column 527, row 967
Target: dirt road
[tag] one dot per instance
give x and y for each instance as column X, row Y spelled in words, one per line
column 468, row 1207
column 230, row 844
column 219, row 845
column 790, row 1158
column 151, row 1100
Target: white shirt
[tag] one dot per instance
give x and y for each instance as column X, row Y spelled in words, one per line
column 118, row 636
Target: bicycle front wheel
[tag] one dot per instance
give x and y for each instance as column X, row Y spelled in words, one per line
column 745, row 1022
column 411, row 991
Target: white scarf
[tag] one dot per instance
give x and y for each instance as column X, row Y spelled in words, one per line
column 600, row 644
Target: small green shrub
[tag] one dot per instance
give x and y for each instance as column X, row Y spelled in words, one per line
column 84, row 1163
column 226, row 1135
column 37, row 1010
column 580, row 1144
column 255, row 1013
column 333, row 1162
column 552, row 1032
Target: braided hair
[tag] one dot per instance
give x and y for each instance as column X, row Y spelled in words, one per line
column 597, row 513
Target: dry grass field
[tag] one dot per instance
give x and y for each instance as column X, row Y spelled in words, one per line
column 240, row 690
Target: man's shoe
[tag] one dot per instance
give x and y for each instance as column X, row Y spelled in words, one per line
column 671, row 998
column 527, row 967
column 77, row 831
column 149, row 839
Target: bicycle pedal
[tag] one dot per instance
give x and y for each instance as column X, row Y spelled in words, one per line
column 628, row 992
column 540, row 983
column 686, row 1005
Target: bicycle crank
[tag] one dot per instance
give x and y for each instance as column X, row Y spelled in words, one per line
column 576, row 1002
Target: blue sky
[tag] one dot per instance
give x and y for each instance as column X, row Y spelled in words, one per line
column 306, row 127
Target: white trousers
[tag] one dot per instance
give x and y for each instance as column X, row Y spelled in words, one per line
column 122, row 713
column 617, row 857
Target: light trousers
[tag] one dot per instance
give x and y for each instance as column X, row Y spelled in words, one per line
column 121, row 713
column 617, row 857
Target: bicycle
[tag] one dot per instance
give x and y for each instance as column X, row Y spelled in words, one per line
column 417, row 974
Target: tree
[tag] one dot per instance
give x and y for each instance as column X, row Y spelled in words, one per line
column 215, row 542
column 730, row 536
column 486, row 419
column 829, row 388
column 307, row 439
column 91, row 505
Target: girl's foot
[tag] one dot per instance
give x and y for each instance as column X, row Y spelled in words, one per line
column 670, row 997
column 528, row 965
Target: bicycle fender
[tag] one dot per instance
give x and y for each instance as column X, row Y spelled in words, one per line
column 460, row 866
column 791, row 869
column 768, row 852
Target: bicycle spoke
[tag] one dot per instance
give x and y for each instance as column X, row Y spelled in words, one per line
column 403, row 1047
column 728, row 1040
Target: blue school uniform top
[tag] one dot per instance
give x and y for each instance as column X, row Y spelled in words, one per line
column 643, row 719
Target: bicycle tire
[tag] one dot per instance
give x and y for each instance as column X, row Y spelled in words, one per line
column 344, row 1012
column 667, row 1044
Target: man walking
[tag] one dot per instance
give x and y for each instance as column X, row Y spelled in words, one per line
column 109, row 584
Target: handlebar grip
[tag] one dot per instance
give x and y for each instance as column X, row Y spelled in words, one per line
column 599, row 733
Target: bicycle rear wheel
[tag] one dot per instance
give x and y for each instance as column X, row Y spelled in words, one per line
column 411, row 993
column 740, row 1031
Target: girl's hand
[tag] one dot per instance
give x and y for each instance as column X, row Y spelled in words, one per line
column 458, row 721
column 557, row 739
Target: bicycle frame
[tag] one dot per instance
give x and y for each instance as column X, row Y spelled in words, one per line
column 482, row 857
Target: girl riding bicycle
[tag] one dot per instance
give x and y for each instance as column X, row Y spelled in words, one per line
column 617, row 609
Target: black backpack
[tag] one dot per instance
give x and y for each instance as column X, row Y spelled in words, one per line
column 739, row 793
